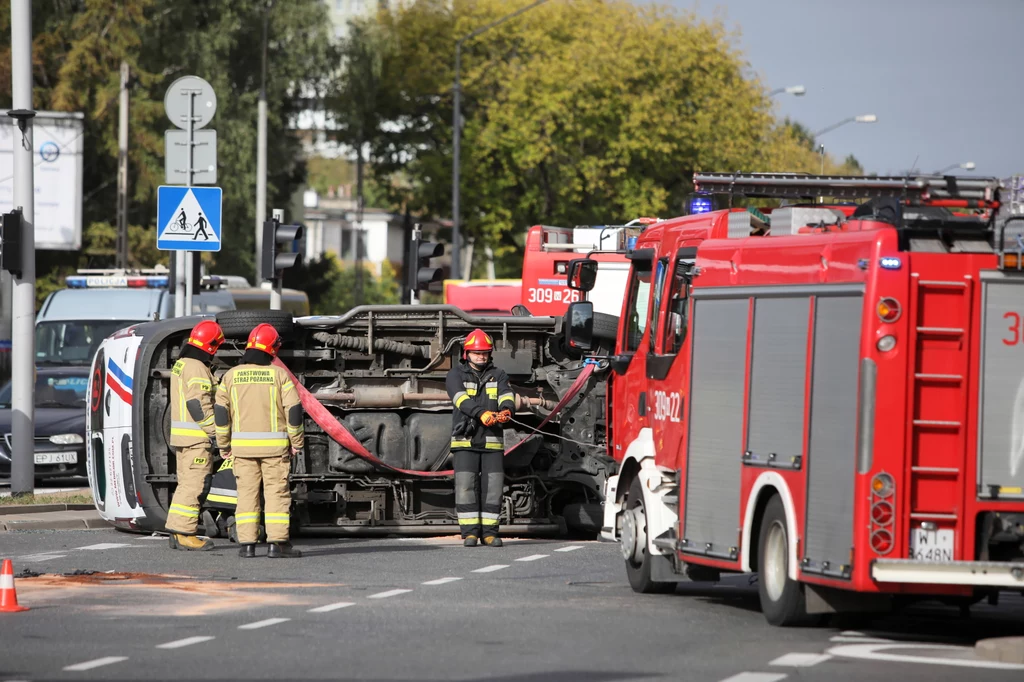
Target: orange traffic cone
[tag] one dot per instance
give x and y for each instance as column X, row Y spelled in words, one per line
column 8, row 596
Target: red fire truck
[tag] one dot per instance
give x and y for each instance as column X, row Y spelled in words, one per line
column 546, row 259
column 831, row 396
column 483, row 297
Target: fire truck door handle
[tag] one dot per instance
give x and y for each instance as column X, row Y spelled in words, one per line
column 642, row 408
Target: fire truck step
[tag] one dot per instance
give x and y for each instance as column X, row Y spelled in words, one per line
column 940, row 330
column 935, row 470
column 939, row 377
column 938, row 283
column 936, row 422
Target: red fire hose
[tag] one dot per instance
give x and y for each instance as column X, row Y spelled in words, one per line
column 337, row 431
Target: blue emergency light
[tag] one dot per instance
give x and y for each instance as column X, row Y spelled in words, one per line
column 700, row 205
column 890, row 263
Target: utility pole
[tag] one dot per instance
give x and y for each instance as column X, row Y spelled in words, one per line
column 457, row 134
column 122, row 172
column 24, row 299
column 261, row 154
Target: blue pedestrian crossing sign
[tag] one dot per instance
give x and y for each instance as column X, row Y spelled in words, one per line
column 188, row 218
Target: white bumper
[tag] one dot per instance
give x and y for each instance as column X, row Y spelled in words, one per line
column 612, row 507
column 980, row 573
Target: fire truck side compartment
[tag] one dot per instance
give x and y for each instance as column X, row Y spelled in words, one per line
column 1001, row 393
column 832, row 456
column 716, row 427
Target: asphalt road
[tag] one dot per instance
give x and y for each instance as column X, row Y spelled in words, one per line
column 430, row 609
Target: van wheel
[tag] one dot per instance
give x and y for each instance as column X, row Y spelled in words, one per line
column 634, row 545
column 782, row 599
column 238, row 323
column 606, row 326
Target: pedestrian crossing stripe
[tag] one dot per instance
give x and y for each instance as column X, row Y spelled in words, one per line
column 188, row 218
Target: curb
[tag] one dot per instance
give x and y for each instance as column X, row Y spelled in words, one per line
column 1002, row 649
column 12, row 525
column 12, row 509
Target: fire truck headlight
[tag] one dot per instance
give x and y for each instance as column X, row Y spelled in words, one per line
column 886, row 343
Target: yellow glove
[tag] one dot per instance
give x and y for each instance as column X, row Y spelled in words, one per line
column 489, row 418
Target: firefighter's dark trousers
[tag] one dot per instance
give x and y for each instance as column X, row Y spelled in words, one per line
column 479, row 512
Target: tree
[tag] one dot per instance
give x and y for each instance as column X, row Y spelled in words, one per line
column 78, row 46
column 562, row 125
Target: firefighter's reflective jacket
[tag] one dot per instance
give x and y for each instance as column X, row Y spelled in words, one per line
column 472, row 394
column 258, row 412
column 192, row 386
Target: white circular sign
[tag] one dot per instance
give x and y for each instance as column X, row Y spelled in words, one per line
column 190, row 94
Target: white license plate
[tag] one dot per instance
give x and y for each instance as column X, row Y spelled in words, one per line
column 931, row 545
column 56, row 458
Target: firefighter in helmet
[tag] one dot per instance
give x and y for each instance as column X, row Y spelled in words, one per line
column 259, row 424
column 192, row 431
column 482, row 401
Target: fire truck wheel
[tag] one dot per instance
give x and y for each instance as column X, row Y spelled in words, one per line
column 634, row 545
column 782, row 599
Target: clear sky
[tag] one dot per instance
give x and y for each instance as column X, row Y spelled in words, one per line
column 944, row 77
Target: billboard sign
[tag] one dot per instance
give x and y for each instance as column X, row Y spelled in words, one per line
column 57, row 162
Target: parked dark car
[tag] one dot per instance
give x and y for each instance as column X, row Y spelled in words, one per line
column 60, row 400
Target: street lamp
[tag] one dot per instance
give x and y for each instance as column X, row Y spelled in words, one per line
column 457, row 132
column 796, row 90
column 965, row 166
column 864, row 118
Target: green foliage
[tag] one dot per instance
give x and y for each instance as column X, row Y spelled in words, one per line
column 330, row 285
column 78, row 48
column 576, row 112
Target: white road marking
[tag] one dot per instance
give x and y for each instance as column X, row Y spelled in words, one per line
column 799, row 660
column 389, row 593
column 756, row 677
column 332, row 607
column 96, row 663
column 41, row 557
column 533, row 557
column 874, row 652
column 860, row 640
column 104, row 545
column 491, row 569
column 263, row 623
column 441, row 581
column 570, row 548
column 188, row 641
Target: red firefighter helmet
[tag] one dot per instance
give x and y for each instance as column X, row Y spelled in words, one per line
column 265, row 338
column 477, row 341
column 207, row 336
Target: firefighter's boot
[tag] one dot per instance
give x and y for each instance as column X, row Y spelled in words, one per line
column 247, row 551
column 278, row 550
column 492, row 541
column 189, row 543
column 470, row 541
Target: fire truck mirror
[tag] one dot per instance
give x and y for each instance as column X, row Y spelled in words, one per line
column 582, row 273
column 579, row 333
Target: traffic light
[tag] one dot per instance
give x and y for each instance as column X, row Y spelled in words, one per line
column 275, row 256
column 424, row 274
column 11, row 231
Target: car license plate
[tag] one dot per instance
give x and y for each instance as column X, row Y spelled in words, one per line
column 56, row 458
column 931, row 545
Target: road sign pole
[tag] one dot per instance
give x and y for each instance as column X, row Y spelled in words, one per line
column 189, row 255
column 23, row 336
